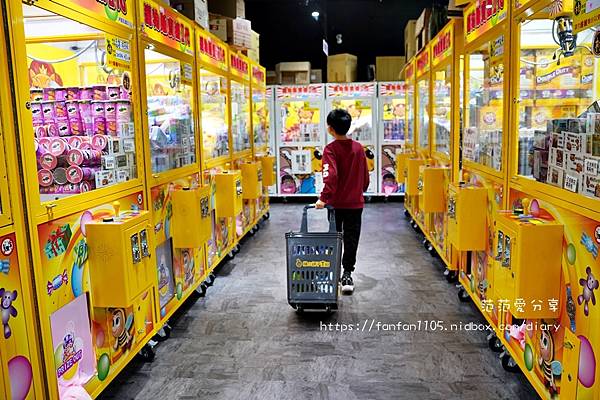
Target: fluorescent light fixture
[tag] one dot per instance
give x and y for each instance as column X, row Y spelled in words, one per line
column 315, row 14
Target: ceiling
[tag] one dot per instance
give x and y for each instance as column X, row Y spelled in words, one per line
column 369, row 28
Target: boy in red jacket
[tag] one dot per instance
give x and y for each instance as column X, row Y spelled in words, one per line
column 346, row 178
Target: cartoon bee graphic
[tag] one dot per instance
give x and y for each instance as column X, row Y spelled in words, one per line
column 120, row 329
column 549, row 367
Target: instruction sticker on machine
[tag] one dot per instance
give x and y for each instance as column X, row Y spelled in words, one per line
column 118, row 52
column 586, row 14
column 187, row 74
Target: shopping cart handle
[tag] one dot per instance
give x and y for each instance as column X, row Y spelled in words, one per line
column 330, row 215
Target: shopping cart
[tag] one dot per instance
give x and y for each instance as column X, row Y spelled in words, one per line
column 313, row 265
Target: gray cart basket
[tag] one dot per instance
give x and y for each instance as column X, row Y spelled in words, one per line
column 313, row 265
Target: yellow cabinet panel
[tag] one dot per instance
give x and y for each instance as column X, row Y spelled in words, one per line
column 144, row 315
column 570, row 363
column 119, row 258
column 251, row 179
column 191, row 217
column 467, row 208
column 432, row 189
column 402, row 165
column 412, row 175
column 228, row 196
column 527, row 264
column 268, row 170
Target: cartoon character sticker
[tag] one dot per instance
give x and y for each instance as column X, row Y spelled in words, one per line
column 589, row 284
column 7, row 309
column 548, row 365
column 120, row 329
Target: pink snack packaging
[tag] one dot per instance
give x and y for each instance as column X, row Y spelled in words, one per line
column 37, row 113
column 99, row 142
column 111, row 128
column 40, row 131
column 52, row 129
column 48, row 110
column 74, row 174
column 85, row 109
column 48, row 161
column 72, row 109
column 58, row 147
column 110, row 111
column 75, row 157
column 86, row 93
column 44, row 143
column 73, row 93
column 60, row 176
column 92, row 158
column 45, row 177
column 36, row 94
column 75, row 142
column 38, row 149
column 60, row 94
column 88, row 127
column 99, row 126
column 99, row 92
column 113, row 92
column 49, row 94
column 86, row 146
column 76, row 127
column 98, row 109
column 123, row 111
column 85, row 186
column 60, row 109
column 123, row 93
column 64, row 129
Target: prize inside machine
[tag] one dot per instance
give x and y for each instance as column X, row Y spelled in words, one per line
column 213, row 57
column 359, row 99
column 93, row 242
column 175, row 195
column 20, row 369
column 392, row 131
column 410, row 140
column 555, row 186
column 479, row 192
column 261, row 121
column 243, row 160
column 270, row 111
column 300, row 139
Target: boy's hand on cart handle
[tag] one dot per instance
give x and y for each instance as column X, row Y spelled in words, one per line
column 320, row 205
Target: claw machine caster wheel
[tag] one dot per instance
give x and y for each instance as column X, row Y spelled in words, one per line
column 147, row 353
column 252, row 231
column 210, row 279
column 201, row 290
column 163, row 334
column 425, row 242
column 463, row 296
column 267, row 216
column 257, row 228
column 509, row 364
column 236, row 249
column 300, row 310
column 494, row 343
column 406, row 213
column 452, row 276
column 432, row 251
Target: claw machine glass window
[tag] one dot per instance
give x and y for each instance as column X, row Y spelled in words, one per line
column 300, row 121
column 559, row 124
column 482, row 138
column 442, row 101
column 170, row 118
column 423, row 104
column 215, row 130
column 240, row 116
column 260, row 110
column 410, row 104
column 81, row 85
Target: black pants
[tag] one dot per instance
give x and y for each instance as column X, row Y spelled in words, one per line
column 349, row 221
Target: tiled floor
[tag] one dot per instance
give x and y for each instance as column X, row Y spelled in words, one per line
column 243, row 341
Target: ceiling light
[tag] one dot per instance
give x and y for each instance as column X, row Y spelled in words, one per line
column 315, row 14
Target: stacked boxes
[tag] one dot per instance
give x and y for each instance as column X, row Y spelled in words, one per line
column 196, row 10
column 590, row 182
column 293, row 73
column 237, row 32
column 342, row 68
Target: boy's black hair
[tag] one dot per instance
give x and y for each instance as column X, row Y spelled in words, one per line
column 339, row 120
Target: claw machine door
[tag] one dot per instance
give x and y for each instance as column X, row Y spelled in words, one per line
column 270, row 98
column 359, row 99
column 392, row 134
column 300, row 139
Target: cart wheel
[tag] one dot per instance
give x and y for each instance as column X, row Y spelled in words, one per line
column 300, row 310
column 463, row 296
column 201, row 290
column 494, row 343
column 509, row 364
column 406, row 214
column 328, row 310
column 452, row 276
column 147, row 353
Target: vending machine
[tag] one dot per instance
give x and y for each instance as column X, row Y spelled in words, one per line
column 360, row 100
column 392, row 135
column 270, row 94
column 300, row 137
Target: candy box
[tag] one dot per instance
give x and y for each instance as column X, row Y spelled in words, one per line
column 555, row 176
column 574, row 142
column 577, row 125
column 128, row 145
column 105, row 178
column 560, row 125
column 109, row 162
column 541, row 140
column 593, row 123
column 122, row 175
column 558, row 140
column 592, row 144
column 114, row 145
column 574, row 162
column 590, row 186
column 557, row 158
column 591, row 166
column 572, row 181
column 121, row 161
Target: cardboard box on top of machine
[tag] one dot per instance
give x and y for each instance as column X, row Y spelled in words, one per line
column 410, row 39
column 196, row 10
column 388, row 68
column 342, row 68
column 254, row 55
column 271, row 78
column 293, row 73
column 316, row 76
column 228, row 8
column 236, row 32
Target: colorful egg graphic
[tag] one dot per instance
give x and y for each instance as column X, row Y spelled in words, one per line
column 528, row 357
column 571, row 254
column 587, row 363
column 179, row 291
column 534, row 208
column 103, row 366
column 86, row 218
column 21, row 376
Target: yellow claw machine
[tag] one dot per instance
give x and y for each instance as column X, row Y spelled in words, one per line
column 262, row 148
column 241, row 138
column 170, row 101
column 402, row 162
column 80, row 135
column 21, row 375
column 554, row 197
column 212, row 57
column 446, row 111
